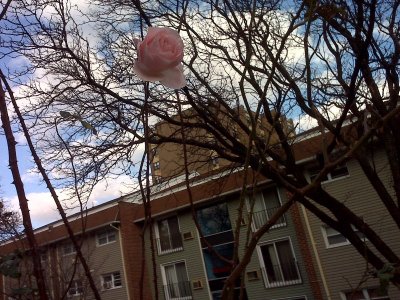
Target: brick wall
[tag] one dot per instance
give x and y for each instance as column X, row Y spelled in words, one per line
column 132, row 251
column 305, row 251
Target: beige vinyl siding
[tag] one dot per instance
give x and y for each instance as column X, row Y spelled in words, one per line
column 343, row 266
column 192, row 255
column 256, row 289
column 102, row 259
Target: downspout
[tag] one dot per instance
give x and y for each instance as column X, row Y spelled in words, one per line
column 316, row 255
column 122, row 257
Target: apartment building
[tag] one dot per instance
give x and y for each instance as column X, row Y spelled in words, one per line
column 299, row 258
column 188, row 268
column 343, row 273
column 167, row 159
column 101, row 236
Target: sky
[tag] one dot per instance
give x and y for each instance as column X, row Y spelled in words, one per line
column 42, row 207
column 41, row 204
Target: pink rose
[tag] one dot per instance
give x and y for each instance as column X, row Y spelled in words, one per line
column 159, row 57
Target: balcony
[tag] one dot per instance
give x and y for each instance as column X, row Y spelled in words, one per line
column 170, row 243
column 262, row 217
column 178, row 291
column 282, row 274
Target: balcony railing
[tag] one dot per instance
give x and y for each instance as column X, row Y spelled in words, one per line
column 262, row 217
column 170, row 243
column 178, row 291
column 282, row 274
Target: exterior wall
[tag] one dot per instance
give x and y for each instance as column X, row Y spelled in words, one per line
column 192, row 255
column 131, row 242
column 343, row 267
column 257, row 289
column 169, row 156
column 60, row 268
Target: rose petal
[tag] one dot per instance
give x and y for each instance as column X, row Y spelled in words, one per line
column 136, row 42
column 144, row 74
column 174, row 78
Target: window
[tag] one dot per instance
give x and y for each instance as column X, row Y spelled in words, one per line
column 334, row 238
column 214, row 161
column 68, row 248
column 215, row 224
column 265, row 205
column 279, row 266
column 214, row 219
column 111, row 280
column 43, row 258
column 169, row 236
column 106, row 237
column 76, row 288
column 176, row 282
column 365, row 294
column 156, row 165
column 340, row 171
column 295, row 298
column 154, row 152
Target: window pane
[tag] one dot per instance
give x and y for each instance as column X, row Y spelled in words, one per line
column 287, row 261
column 214, row 219
column 340, row 171
column 169, row 235
column 271, row 263
column 117, row 279
column 177, row 281
column 163, row 231
column 355, row 295
column 279, row 262
column 334, row 237
column 271, row 199
column 111, row 236
column 176, row 238
column 217, row 268
column 259, row 214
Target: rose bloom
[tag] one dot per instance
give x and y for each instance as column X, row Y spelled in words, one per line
column 159, row 57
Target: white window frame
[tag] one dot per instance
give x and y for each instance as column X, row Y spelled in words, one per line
column 326, row 237
column 44, row 258
column 260, row 197
column 165, row 282
column 365, row 294
column 292, row 298
column 156, row 165
column 263, row 267
column 329, row 175
column 75, row 285
column 112, row 284
column 70, row 246
column 108, row 234
column 156, row 229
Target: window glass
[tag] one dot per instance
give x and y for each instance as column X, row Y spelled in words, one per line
column 265, row 206
column 367, row 294
column 339, row 171
column 215, row 266
column 68, row 248
column 335, row 238
column 106, row 237
column 280, row 265
column 214, row 219
column 176, row 282
column 111, row 280
column 170, row 237
column 76, row 288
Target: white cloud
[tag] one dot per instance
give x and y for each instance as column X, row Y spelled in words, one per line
column 43, row 209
